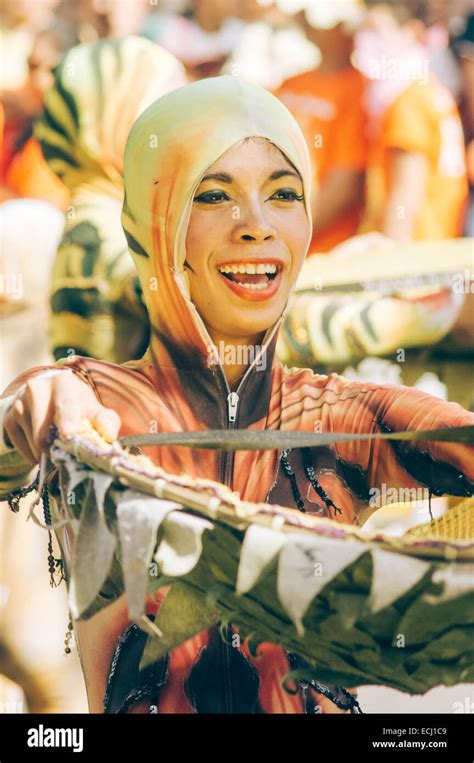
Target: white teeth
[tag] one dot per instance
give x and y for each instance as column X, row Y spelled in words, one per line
column 255, row 286
column 249, row 268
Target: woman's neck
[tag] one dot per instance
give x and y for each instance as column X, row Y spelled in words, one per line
column 235, row 354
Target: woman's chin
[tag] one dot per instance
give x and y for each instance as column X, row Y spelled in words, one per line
column 236, row 329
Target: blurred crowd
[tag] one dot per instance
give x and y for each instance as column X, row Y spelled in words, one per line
column 384, row 93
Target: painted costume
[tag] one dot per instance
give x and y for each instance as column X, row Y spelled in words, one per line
column 179, row 385
column 100, row 88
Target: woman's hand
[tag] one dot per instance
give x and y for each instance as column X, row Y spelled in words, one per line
column 58, row 398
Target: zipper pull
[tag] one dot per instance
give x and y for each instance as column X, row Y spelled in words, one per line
column 232, row 403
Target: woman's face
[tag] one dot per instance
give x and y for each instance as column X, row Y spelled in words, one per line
column 246, row 240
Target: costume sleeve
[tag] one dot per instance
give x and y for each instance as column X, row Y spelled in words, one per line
column 362, row 407
column 16, row 471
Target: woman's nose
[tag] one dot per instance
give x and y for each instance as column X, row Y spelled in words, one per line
column 253, row 226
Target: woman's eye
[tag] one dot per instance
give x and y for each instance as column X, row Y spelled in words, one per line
column 287, row 194
column 212, row 197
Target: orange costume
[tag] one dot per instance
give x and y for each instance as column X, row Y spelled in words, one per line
column 176, row 387
column 329, row 108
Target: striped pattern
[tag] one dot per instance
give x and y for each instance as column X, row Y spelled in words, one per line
column 339, row 329
column 374, row 299
column 99, row 90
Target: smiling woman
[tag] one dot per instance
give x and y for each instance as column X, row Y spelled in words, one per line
column 246, row 240
column 217, row 219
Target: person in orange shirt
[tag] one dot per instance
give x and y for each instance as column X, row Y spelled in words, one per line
column 417, row 187
column 25, row 173
column 328, row 103
column 30, row 177
column 464, row 48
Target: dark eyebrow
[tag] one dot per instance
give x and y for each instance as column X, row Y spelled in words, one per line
column 225, row 178
column 281, row 173
column 222, row 176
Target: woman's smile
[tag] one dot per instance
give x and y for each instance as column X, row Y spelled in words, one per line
column 252, row 279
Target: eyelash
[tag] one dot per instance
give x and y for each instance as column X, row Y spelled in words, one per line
column 295, row 196
column 204, row 197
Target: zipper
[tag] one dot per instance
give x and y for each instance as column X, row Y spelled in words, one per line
column 226, row 475
column 227, row 464
column 232, row 403
column 227, row 458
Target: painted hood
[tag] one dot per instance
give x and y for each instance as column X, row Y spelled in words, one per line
column 168, row 150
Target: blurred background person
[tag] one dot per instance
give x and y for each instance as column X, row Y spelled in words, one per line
column 417, row 185
column 95, row 19
column 202, row 35
column 329, row 103
column 272, row 46
column 20, row 22
column 25, row 173
column 464, row 48
column 256, row 40
column 33, row 41
column 99, row 90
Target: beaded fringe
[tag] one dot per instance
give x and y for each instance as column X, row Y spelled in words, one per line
column 310, row 475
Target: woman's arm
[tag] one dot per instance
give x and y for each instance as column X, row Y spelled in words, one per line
column 37, row 400
column 364, row 407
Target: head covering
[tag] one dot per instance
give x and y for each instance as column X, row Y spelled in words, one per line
column 169, row 149
column 99, row 90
